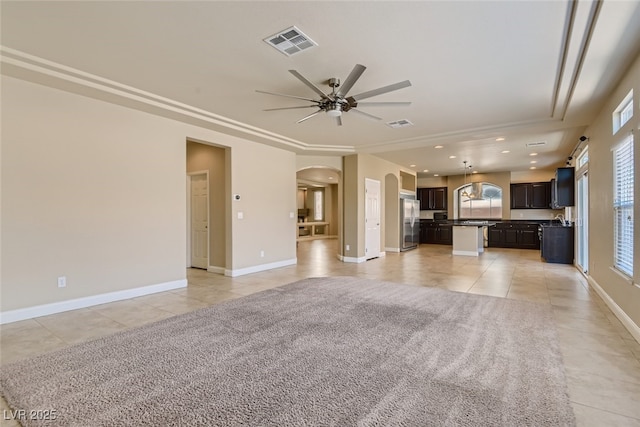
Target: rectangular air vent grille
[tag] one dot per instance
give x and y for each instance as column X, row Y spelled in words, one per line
column 536, row 144
column 290, row 41
column 399, row 123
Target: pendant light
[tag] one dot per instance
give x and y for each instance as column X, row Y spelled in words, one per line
column 464, row 191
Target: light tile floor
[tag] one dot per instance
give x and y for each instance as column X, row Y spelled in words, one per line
column 601, row 358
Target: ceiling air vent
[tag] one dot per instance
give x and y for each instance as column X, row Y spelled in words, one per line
column 399, row 123
column 290, row 41
column 536, row 144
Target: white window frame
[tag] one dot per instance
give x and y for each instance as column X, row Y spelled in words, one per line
column 583, row 157
column 623, row 113
column 623, row 206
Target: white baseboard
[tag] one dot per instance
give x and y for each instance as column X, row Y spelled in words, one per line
column 261, row 267
column 395, row 250
column 628, row 323
column 465, row 253
column 351, row 259
column 74, row 304
column 359, row 259
column 215, row 269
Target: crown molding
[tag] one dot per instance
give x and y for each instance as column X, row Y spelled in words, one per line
column 39, row 70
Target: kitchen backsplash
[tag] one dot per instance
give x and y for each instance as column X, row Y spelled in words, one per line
column 535, row 213
column 515, row 214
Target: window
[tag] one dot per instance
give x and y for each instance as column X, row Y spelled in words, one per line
column 583, row 158
column 480, row 200
column 623, row 113
column 318, row 205
column 623, row 176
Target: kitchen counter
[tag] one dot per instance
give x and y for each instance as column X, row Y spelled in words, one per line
column 468, row 237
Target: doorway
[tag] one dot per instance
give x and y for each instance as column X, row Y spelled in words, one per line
column 372, row 218
column 199, row 219
column 582, row 222
column 582, row 212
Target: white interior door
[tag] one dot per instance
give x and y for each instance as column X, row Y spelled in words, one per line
column 200, row 220
column 372, row 218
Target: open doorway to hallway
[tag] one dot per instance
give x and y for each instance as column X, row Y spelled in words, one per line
column 210, row 243
column 318, row 203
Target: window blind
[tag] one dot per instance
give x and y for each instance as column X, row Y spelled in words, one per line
column 623, row 206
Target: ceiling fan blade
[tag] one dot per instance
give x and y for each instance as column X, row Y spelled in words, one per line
column 288, row 96
column 371, row 116
column 384, row 104
column 339, row 121
column 351, row 80
column 309, row 116
column 308, row 83
column 382, row 90
column 290, row 108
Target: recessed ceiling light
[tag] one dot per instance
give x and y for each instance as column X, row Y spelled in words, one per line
column 435, row 174
column 505, row 151
column 330, row 177
column 452, row 157
column 533, row 161
column 474, row 172
column 500, row 139
column 532, row 167
column 438, row 146
column 533, row 154
column 412, row 166
column 425, row 170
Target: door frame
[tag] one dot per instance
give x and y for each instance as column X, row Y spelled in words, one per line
column 367, row 241
column 582, row 225
column 190, row 175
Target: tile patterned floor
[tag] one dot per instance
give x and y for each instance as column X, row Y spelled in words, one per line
column 601, row 358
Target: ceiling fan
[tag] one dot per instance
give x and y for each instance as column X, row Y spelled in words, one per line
column 337, row 102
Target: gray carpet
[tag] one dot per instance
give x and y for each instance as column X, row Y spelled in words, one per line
column 337, row 351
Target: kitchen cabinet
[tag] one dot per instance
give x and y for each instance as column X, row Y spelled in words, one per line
column 514, row 235
column 563, row 188
column 557, row 244
column 436, row 233
column 531, row 195
column 433, row 198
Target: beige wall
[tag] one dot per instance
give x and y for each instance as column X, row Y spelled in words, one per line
column 356, row 168
column 601, row 141
column 202, row 157
column 96, row 192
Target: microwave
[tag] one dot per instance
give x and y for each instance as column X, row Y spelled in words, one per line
column 439, row 215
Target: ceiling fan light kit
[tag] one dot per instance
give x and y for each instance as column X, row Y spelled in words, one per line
column 336, row 102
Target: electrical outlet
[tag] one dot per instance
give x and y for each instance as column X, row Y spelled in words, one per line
column 261, row 254
column 347, row 247
column 62, row 281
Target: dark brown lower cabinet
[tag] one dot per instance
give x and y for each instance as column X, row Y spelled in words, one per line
column 557, row 244
column 514, row 235
column 436, row 233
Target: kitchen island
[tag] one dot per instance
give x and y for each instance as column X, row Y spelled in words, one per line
column 468, row 237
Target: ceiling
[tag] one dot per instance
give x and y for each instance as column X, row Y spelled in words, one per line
column 530, row 72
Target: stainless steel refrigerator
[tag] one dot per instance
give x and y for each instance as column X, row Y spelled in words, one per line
column 409, row 223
